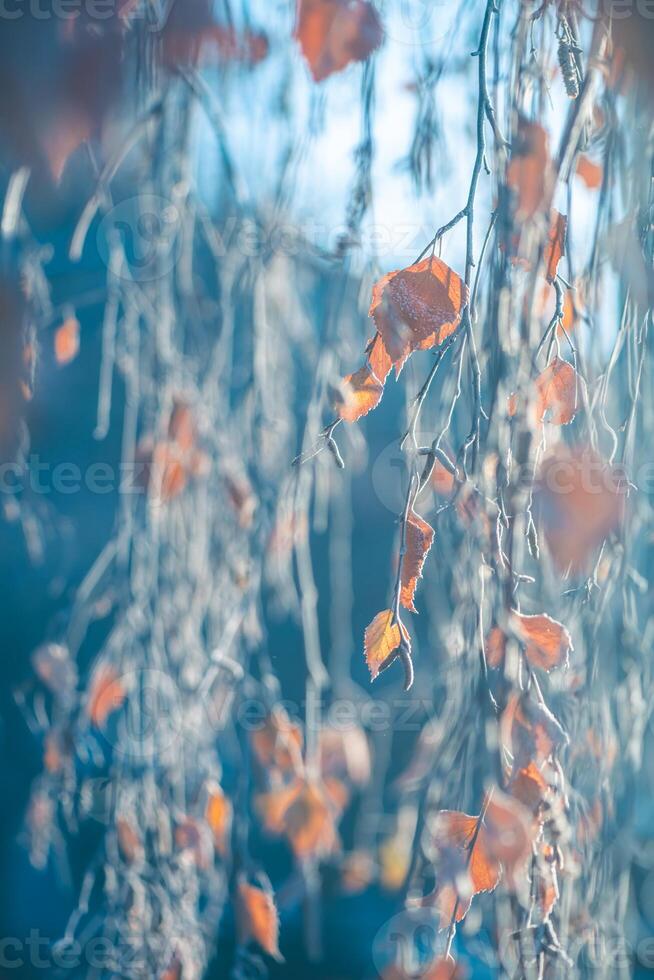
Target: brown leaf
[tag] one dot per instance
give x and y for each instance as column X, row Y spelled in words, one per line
column 382, row 637
column 590, row 172
column 333, row 33
column 358, row 394
column 417, row 307
column 580, row 499
column 558, row 390
column 257, row 918
column 494, row 647
column 66, row 341
column 106, row 694
column 527, row 172
column 547, row 642
column 419, row 539
column 555, row 246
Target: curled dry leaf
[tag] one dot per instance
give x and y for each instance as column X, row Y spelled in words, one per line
column 555, row 245
column 528, row 169
column 106, row 694
column 590, row 172
column 381, row 639
column 333, row 33
column 419, row 539
column 218, row 814
column 256, row 918
column 547, row 642
column 304, row 812
column 579, row 499
column 358, row 394
column 558, row 390
column 417, row 308
column 66, row 341
column 529, row 732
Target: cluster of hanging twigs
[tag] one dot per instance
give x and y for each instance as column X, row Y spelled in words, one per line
column 523, row 717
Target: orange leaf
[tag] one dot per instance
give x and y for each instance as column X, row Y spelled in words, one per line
column 529, row 786
column 417, row 307
column 419, row 538
column 378, row 358
column 106, row 694
column 442, row 481
column 528, row 168
column 66, row 341
column 547, row 642
column 218, row 814
column 590, row 172
column 304, row 814
column 257, row 918
column 461, row 874
column 555, row 247
column 580, row 499
column 358, row 394
column 558, row 393
column 381, row 639
column 332, row 33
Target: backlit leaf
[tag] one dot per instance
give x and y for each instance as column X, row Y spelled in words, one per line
column 256, row 917
column 381, row 639
column 358, row 394
column 558, row 393
column 547, row 642
column 417, row 307
column 419, row 538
